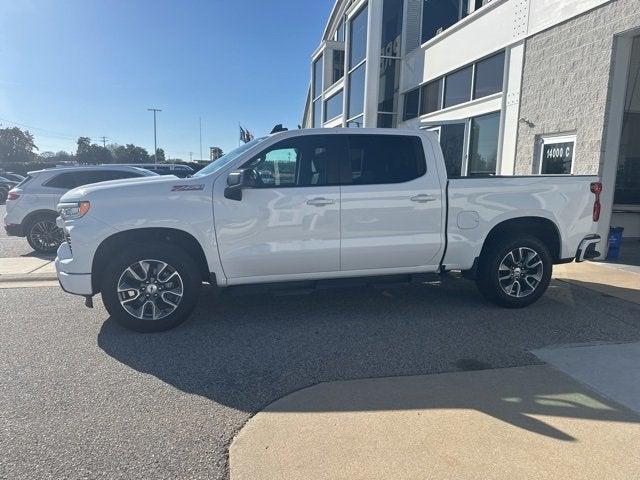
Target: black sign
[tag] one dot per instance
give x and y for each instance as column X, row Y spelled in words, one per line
column 557, row 158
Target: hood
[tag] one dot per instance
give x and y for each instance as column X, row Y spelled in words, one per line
column 160, row 184
column 82, row 192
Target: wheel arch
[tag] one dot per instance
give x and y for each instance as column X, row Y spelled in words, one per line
column 172, row 236
column 541, row 228
column 31, row 215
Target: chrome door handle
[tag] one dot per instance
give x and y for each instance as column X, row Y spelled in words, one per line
column 423, row 198
column 320, row 202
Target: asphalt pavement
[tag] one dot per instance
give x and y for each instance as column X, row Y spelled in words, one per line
column 14, row 246
column 83, row 398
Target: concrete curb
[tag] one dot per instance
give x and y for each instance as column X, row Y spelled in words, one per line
column 28, row 277
column 27, row 271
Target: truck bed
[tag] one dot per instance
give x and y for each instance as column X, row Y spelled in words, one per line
column 476, row 205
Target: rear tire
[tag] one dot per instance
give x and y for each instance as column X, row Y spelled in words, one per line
column 42, row 233
column 515, row 272
column 151, row 288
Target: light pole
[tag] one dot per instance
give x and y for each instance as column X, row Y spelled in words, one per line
column 200, row 123
column 155, row 136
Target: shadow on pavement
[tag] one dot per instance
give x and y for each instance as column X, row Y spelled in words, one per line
column 515, row 396
column 42, row 256
column 608, row 290
column 246, row 351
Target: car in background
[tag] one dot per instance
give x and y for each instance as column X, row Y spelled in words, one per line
column 6, row 184
column 180, row 171
column 12, row 177
column 31, row 204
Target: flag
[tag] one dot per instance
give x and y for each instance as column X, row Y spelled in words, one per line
column 245, row 135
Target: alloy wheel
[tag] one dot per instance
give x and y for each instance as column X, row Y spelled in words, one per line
column 46, row 235
column 150, row 289
column 520, row 272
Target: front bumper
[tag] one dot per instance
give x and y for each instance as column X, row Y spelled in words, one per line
column 75, row 283
column 587, row 248
column 14, row 230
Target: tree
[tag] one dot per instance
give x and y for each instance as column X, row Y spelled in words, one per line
column 16, row 145
column 129, row 154
column 99, row 155
column 137, row 154
column 160, row 156
column 83, row 151
column 84, row 144
column 57, row 158
column 91, row 153
column 63, row 156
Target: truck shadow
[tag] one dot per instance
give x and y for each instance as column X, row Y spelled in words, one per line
column 245, row 351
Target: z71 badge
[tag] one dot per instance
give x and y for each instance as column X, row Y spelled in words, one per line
column 187, row 188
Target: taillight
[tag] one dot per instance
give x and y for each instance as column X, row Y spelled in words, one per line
column 12, row 196
column 596, row 189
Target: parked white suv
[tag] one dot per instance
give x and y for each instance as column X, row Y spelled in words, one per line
column 314, row 205
column 31, row 205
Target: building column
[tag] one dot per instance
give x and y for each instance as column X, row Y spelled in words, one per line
column 514, row 57
column 372, row 69
column 613, row 133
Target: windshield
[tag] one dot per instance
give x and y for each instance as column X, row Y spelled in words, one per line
column 228, row 158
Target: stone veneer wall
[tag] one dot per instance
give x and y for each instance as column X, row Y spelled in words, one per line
column 565, row 83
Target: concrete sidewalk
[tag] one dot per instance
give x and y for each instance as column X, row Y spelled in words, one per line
column 27, row 272
column 516, row 423
column 579, row 417
column 604, row 278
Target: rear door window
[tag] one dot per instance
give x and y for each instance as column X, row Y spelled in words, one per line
column 107, row 175
column 65, row 181
column 97, row 176
column 71, row 180
column 382, row 159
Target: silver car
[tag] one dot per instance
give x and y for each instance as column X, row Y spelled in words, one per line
column 31, row 205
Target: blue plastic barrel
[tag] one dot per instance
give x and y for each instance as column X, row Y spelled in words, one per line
column 615, row 240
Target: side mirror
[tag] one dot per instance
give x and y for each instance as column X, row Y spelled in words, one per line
column 238, row 180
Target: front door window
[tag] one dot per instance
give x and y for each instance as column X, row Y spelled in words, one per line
column 301, row 162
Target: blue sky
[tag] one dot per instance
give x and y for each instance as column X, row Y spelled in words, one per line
column 93, row 67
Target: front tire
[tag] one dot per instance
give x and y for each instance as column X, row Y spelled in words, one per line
column 151, row 288
column 515, row 272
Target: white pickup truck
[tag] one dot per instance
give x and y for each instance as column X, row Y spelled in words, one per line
column 313, row 205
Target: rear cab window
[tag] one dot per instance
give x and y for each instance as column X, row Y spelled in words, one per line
column 384, row 159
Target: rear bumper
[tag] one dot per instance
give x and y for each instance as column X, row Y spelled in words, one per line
column 75, row 283
column 14, row 230
column 587, row 248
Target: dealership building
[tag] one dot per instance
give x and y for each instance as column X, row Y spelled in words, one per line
column 511, row 87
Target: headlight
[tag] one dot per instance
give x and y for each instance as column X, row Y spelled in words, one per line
column 72, row 211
